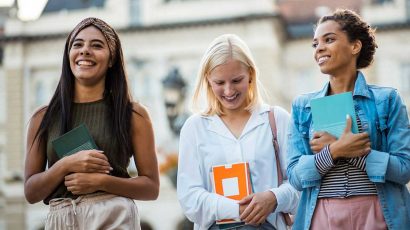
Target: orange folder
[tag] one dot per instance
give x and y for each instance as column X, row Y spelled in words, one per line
column 232, row 181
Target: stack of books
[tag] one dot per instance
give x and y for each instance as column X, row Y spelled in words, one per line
column 234, row 182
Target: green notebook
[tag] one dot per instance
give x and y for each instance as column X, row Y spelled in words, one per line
column 73, row 141
column 329, row 113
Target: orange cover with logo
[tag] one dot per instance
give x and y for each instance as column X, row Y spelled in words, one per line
column 232, row 181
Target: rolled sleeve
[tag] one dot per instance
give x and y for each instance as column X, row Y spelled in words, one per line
column 287, row 198
column 376, row 165
column 307, row 171
column 227, row 208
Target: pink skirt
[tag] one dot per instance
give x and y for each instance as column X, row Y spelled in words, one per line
column 356, row 212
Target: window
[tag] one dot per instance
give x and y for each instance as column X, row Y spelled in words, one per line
column 381, row 2
column 2, row 98
column 41, row 84
column 1, row 55
column 140, row 78
column 41, row 94
column 167, row 1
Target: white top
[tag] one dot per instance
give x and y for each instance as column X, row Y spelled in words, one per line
column 205, row 141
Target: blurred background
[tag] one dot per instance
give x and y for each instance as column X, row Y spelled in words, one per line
column 163, row 41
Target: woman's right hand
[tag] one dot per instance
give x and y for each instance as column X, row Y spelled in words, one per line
column 88, row 161
column 350, row 145
column 320, row 140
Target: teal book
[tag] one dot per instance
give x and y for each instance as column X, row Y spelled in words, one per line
column 73, row 141
column 329, row 113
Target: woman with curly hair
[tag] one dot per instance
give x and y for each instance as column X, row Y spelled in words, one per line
column 356, row 181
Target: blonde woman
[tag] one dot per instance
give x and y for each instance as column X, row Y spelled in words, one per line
column 234, row 127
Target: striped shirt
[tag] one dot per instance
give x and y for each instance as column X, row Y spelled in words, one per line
column 345, row 177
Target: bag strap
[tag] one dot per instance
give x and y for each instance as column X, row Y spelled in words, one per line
column 275, row 144
column 288, row 219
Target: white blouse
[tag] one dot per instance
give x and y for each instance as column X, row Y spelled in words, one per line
column 205, row 141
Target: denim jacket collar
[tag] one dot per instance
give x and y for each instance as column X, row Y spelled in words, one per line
column 360, row 89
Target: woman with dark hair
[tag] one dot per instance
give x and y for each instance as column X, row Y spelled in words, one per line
column 356, row 181
column 91, row 189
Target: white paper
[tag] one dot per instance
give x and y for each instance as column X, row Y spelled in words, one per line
column 230, row 186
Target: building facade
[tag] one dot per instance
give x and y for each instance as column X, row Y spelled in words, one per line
column 158, row 36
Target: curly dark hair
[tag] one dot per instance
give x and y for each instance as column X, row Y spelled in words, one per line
column 356, row 29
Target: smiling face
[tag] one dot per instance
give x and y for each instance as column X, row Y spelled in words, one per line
column 89, row 56
column 230, row 84
column 334, row 53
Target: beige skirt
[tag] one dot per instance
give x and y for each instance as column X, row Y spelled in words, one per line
column 93, row 211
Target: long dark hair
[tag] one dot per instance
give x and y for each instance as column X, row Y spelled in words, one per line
column 116, row 94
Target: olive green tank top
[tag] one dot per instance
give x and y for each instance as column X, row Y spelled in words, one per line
column 95, row 115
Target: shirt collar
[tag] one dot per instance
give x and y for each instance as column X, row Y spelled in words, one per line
column 216, row 125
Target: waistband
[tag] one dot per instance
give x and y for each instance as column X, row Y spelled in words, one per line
column 59, row 203
column 349, row 199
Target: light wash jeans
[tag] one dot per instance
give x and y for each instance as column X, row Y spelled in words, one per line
column 264, row 226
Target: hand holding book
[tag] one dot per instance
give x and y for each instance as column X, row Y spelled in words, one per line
column 347, row 146
column 234, row 182
column 79, row 143
column 329, row 113
column 335, row 115
column 84, row 183
column 320, row 140
column 258, row 207
column 350, row 145
column 89, row 161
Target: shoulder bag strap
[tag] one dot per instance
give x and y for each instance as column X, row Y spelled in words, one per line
column 271, row 115
column 275, row 144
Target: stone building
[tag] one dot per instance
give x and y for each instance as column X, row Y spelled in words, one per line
column 158, row 36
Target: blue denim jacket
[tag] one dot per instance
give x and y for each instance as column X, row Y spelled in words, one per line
column 384, row 117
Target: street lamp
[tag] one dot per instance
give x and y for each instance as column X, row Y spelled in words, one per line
column 174, row 97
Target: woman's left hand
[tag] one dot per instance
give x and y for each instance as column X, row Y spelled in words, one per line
column 83, row 183
column 320, row 140
column 260, row 205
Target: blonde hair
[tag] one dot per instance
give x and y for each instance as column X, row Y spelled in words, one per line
column 221, row 50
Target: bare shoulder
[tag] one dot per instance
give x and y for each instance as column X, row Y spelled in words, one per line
column 35, row 121
column 139, row 110
column 38, row 116
column 140, row 118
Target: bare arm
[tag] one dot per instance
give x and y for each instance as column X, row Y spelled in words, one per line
column 146, row 185
column 39, row 182
column 143, row 187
